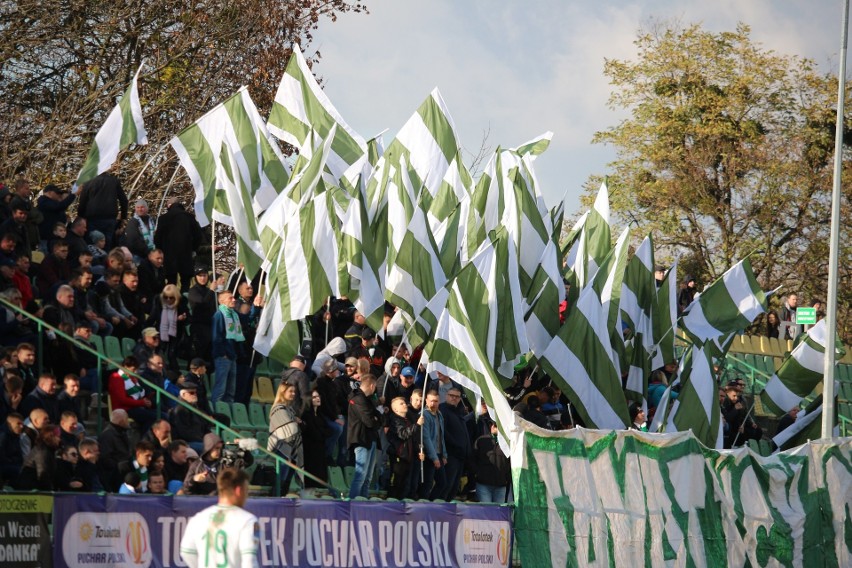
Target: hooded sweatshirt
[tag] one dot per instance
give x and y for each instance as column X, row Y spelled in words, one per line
column 207, row 465
column 335, row 347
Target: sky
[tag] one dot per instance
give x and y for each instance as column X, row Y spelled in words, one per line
column 517, row 69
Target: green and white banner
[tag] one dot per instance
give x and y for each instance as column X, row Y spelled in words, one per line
column 619, row 498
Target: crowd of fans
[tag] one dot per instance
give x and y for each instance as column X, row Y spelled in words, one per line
column 349, row 398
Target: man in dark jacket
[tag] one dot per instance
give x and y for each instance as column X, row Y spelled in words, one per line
column 11, row 454
column 493, row 472
column 115, row 448
column 102, row 203
column 179, row 235
column 363, row 435
column 17, row 225
column 43, row 396
column 139, row 234
column 458, row 441
column 53, row 204
column 403, row 446
column 186, row 424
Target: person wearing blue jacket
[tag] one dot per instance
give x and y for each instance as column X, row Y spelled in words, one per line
column 434, row 455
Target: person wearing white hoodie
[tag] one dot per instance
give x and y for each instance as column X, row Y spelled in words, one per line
column 335, row 348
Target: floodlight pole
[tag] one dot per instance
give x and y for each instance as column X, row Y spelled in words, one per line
column 834, row 240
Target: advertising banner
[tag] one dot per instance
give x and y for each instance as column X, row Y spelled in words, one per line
column 140, row 531
column 598, row 498
column 24, row 530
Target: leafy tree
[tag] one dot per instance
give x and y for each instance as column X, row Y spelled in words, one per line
column 728, row 149
column 63, row 63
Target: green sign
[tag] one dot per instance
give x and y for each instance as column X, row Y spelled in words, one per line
column 805, row 316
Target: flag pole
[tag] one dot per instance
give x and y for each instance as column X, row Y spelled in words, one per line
column 213, row 248
column 834, row 239
column 165, row 193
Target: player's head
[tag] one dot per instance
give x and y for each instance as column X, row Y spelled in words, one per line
column 233, row 485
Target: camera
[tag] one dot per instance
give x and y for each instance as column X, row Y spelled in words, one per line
column 238, row 454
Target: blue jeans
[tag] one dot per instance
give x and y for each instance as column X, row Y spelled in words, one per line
column 226, row 379
column 490, row 493
column 365, row 462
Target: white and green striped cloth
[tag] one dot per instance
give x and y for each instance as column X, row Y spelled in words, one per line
column 638, row 295
column 301, row 106
column 124, row 126
column 665, row 319
column 697, row 404
column 456, row 351
column 580, row 358
column 729, row 304
column 801, row 371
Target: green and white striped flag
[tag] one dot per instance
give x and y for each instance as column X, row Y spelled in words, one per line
column 541, row 312
column 801, row 371
column 580, row 358
column 807, row 427
column 276, row 338
column 697, row 404
column 123, row 127
column 638, row 296
column 665, row 319
column 258, row 159
column 301, row 106
column 598, row 235
column 729, row 304
column 456, row 351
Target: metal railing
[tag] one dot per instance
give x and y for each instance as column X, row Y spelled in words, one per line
column 105, row 362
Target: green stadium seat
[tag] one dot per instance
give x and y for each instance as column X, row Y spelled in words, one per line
column 258, row 418
column 98, row 342
column 844, row 372
column 127, row 346
column 262, row 439
column 223, row 408
column 229, row 437
column 239, row 416
column 113, row 349
column 335, row 478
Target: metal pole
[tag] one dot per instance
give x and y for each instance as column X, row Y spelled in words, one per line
column 145, row 167
column 165, row 193
column 213, row 248
column 831, row 300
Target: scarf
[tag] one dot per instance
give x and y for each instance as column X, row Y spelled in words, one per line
column 233, row 329
column 146, row 229
column 168, row 323
column 134, row 390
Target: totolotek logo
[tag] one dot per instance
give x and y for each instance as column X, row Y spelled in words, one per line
column 116, row 540
column 482, row 543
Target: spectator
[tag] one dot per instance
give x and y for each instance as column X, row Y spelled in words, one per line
column 315, row 432
column 39, row 469
column 22, row 281
column 353, row 336
column 362, row 435
column 637, row 417
column 115, row 448
column 55, row 268
column 81, row 282
column 176, row 465
column 143, row 456
column 127, row 393
column 148, row 345
column 53, row 204
column 131, row 485
column 25, row 354
column 69, row 434
column 202, row 305
column 188, row 425
column 457, row 437
column 686, row 295
column 434, row 452
column 295, row 375
column 179, row 236
column 67, row 476
column 741, row 427
column 493, row 472
column 76, row 240
column 154, row 371
column 160, row 434
column 333, row 404
column 44, row 397
column 157, row 483
column 402, row 436
column 140, row 232
column 86, row 361
column 126, row 326
column 99, row 253
column 7, row 246
column 12, row 396
column 61, row 311
column 228, row 343
column 130, row 296
column 17, row 225
column 201, row 476
column 70, row 400
column 14, row 327
column 285, row 436
column 87, row 466
column 11, row 454
column 335, row 348
column 152, row 277
column 788, row 317
column 197, row 375
column 169, row 316
column 37, row 420
column 102, row 203
column 773, row 325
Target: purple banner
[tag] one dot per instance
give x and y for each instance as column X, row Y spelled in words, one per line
column 142, row 531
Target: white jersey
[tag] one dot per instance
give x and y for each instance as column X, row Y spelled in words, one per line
column 220, row 537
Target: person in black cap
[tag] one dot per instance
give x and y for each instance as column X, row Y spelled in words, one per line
column 202, row 304
column 186, row 424
column 53, row 204
column 637, row 417
column 198, row 376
